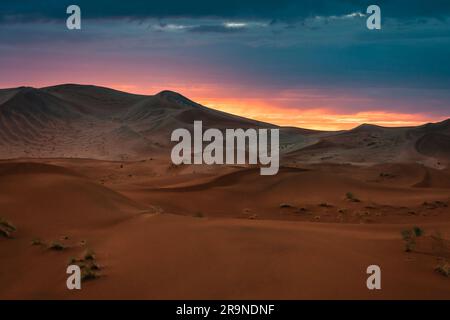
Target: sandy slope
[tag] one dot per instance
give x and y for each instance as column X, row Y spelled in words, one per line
column 82, row 121
column 146, row 252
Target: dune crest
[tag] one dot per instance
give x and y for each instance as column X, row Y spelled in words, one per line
column 82, row 121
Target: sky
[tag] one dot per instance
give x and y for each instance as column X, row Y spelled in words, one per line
column 310, row 64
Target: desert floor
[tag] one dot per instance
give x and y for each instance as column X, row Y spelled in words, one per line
column 163, row 232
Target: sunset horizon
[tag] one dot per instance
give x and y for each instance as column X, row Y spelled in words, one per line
column 261, row 110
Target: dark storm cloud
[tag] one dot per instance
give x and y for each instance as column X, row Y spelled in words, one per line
column 268, row 45
column 13, row 10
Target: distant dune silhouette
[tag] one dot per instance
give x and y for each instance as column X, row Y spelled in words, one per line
column 82, row 121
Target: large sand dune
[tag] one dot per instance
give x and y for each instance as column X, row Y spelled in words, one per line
column 94, row 122
column 87, row 168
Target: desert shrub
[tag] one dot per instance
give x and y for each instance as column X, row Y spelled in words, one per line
column 36, row 242
column 72, row 260
column 55, row 245
column 418, row 232
column 6, row 228
column 89, row 255
column 4, row 233
column 286, row 205
column 443, row 268
column 325, row 205
column 89, row 267
column 7, row 225
column 409, row 236
column 95, row 266
column 88, row 274
column 351, row 197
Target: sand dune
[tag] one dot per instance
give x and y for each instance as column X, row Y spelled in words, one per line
column 90, row 122
column 228, row 252
column 46, row 199
column 87, row 169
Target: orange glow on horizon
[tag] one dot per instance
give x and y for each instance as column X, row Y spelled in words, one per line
column 309, row 109
column 319, row 118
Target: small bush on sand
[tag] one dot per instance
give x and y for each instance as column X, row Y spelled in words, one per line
column 72, row 260
column 55, row 245
column 89, row 255
column 4, row 233
column 6, row 228
column 286, row 205
column 325, row 205
column 95, row 266
column 36, row 242
column 7, row 225
column 88, row 274
column 410, row 242
column 443, row 268
column 351, row 197
column 418, row 232
column 89, row 267
column 409, row 236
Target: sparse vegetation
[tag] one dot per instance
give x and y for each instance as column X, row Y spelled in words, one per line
column 325, row 205
column 6, row 228
column 443, row 268
column 409, row 240
column 36, row 242
column 89, row 267
column 88, row 274
column 55, row 245
column 418, row 232
column 4, row 233
column 351, row 197
column 95, row 266
column 89, row 255
column 435, row 204
column 7, row 224
column 440, row 249
column 72, row 260
column 409, row 236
